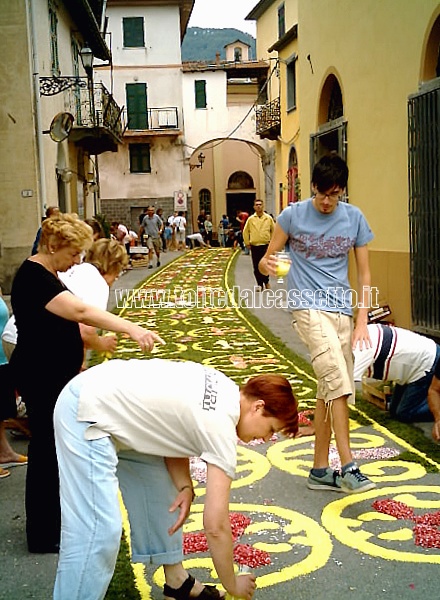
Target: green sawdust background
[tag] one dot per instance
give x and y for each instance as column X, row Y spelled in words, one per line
column 228, row 338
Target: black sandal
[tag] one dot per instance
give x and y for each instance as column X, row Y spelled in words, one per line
column 209, row 592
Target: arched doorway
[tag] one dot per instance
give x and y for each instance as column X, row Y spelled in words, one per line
column 240, row 194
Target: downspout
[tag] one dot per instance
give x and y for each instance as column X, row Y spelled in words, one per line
column 41, row 179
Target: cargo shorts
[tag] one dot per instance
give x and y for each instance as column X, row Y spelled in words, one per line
column 328, row 336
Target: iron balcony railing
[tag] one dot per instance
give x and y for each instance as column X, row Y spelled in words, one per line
column 268, row 119
column 155, row 119
column 97, row 110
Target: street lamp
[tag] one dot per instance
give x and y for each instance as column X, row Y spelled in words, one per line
column 201, row 159
column 50, row 86
column 86, row 55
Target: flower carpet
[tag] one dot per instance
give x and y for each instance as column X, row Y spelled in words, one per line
column 280, row 529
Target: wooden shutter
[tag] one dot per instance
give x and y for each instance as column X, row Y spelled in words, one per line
column 200, row 90
column 137, row 105
column 133, row 28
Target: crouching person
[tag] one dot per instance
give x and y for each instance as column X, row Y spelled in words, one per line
column 111, row 427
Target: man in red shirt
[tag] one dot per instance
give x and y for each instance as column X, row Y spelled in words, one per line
column 242, row 217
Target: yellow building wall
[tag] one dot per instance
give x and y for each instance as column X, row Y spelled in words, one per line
column 375, row 49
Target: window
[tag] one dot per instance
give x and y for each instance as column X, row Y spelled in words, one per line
column 237, row 54
column 133, row 29
column 281, row 20
column 140, row 158
column 53, row 24
column 291, row 83
column 200, row 91
column 137, row 105
column 205, row 201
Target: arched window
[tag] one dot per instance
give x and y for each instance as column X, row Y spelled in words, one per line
column 292, row 177
column 240, row 180
column 205, row 200
column 237, row 54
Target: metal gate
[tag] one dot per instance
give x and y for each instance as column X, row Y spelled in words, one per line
column 424, row 206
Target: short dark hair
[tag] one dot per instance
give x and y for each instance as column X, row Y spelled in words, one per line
column 330, row 170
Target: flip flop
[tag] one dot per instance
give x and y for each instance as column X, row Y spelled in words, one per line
column 22, row 460
column 4, row 473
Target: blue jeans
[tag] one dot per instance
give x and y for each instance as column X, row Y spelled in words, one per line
column 409, row 403
column 91, row 523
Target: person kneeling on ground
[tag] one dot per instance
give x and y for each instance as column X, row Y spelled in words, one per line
column 107, row 410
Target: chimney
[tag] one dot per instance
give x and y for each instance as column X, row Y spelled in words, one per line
column 217, row 58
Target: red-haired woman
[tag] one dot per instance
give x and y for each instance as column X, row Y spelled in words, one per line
column 122, row 404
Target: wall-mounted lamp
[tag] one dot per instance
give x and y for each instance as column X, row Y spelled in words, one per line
column 87, row 59
column 201, row 159
column 50, row 86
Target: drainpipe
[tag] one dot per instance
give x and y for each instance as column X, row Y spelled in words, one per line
column 41, row 180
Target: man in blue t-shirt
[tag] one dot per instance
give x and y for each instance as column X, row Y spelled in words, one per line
column 319, row 233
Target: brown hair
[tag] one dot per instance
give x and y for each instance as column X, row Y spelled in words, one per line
column 108, row 256
column 279, row 401
column 65, row 229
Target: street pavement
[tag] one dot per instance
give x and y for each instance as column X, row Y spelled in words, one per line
column 322, row 544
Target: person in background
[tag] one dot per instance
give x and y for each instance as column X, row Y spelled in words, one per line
column 171, row 219
column 201, row 218
column 50, row 210
column 231, row 238
column 142, row 216
column 320, row 232
column 406, row 358
column 434, row 402
column 208, row 230
column 257, row 233
column 157, row 429
column 8, row 407
column 91, row 281
column 223, row 230
column 49, row 352
column 152, row 226
column 98, row 231
column 196, row 238
column 241, row 218
column 159, row 213
column 168, row 234
column 179, row 229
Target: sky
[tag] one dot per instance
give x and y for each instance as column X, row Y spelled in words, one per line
column 223, row 13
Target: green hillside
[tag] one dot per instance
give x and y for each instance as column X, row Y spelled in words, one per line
column 203, row 44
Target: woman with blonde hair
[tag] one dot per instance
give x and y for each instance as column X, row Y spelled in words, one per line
column 49, row 352
column 91, row 281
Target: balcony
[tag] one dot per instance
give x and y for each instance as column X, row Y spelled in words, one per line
column 155, row 122
column 98, row 125
column 268, row 119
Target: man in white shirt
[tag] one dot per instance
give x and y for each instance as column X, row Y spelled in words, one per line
column 406, row 358
column 110, row 426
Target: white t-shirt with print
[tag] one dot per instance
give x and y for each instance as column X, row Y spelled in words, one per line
column 163, row 408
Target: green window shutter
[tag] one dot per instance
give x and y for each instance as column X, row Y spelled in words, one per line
column 53, row 24
column 137, row 105
column 281, row 20
column 200, row 91
column 133, row 29
column 291, row 84
column 140, row 158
